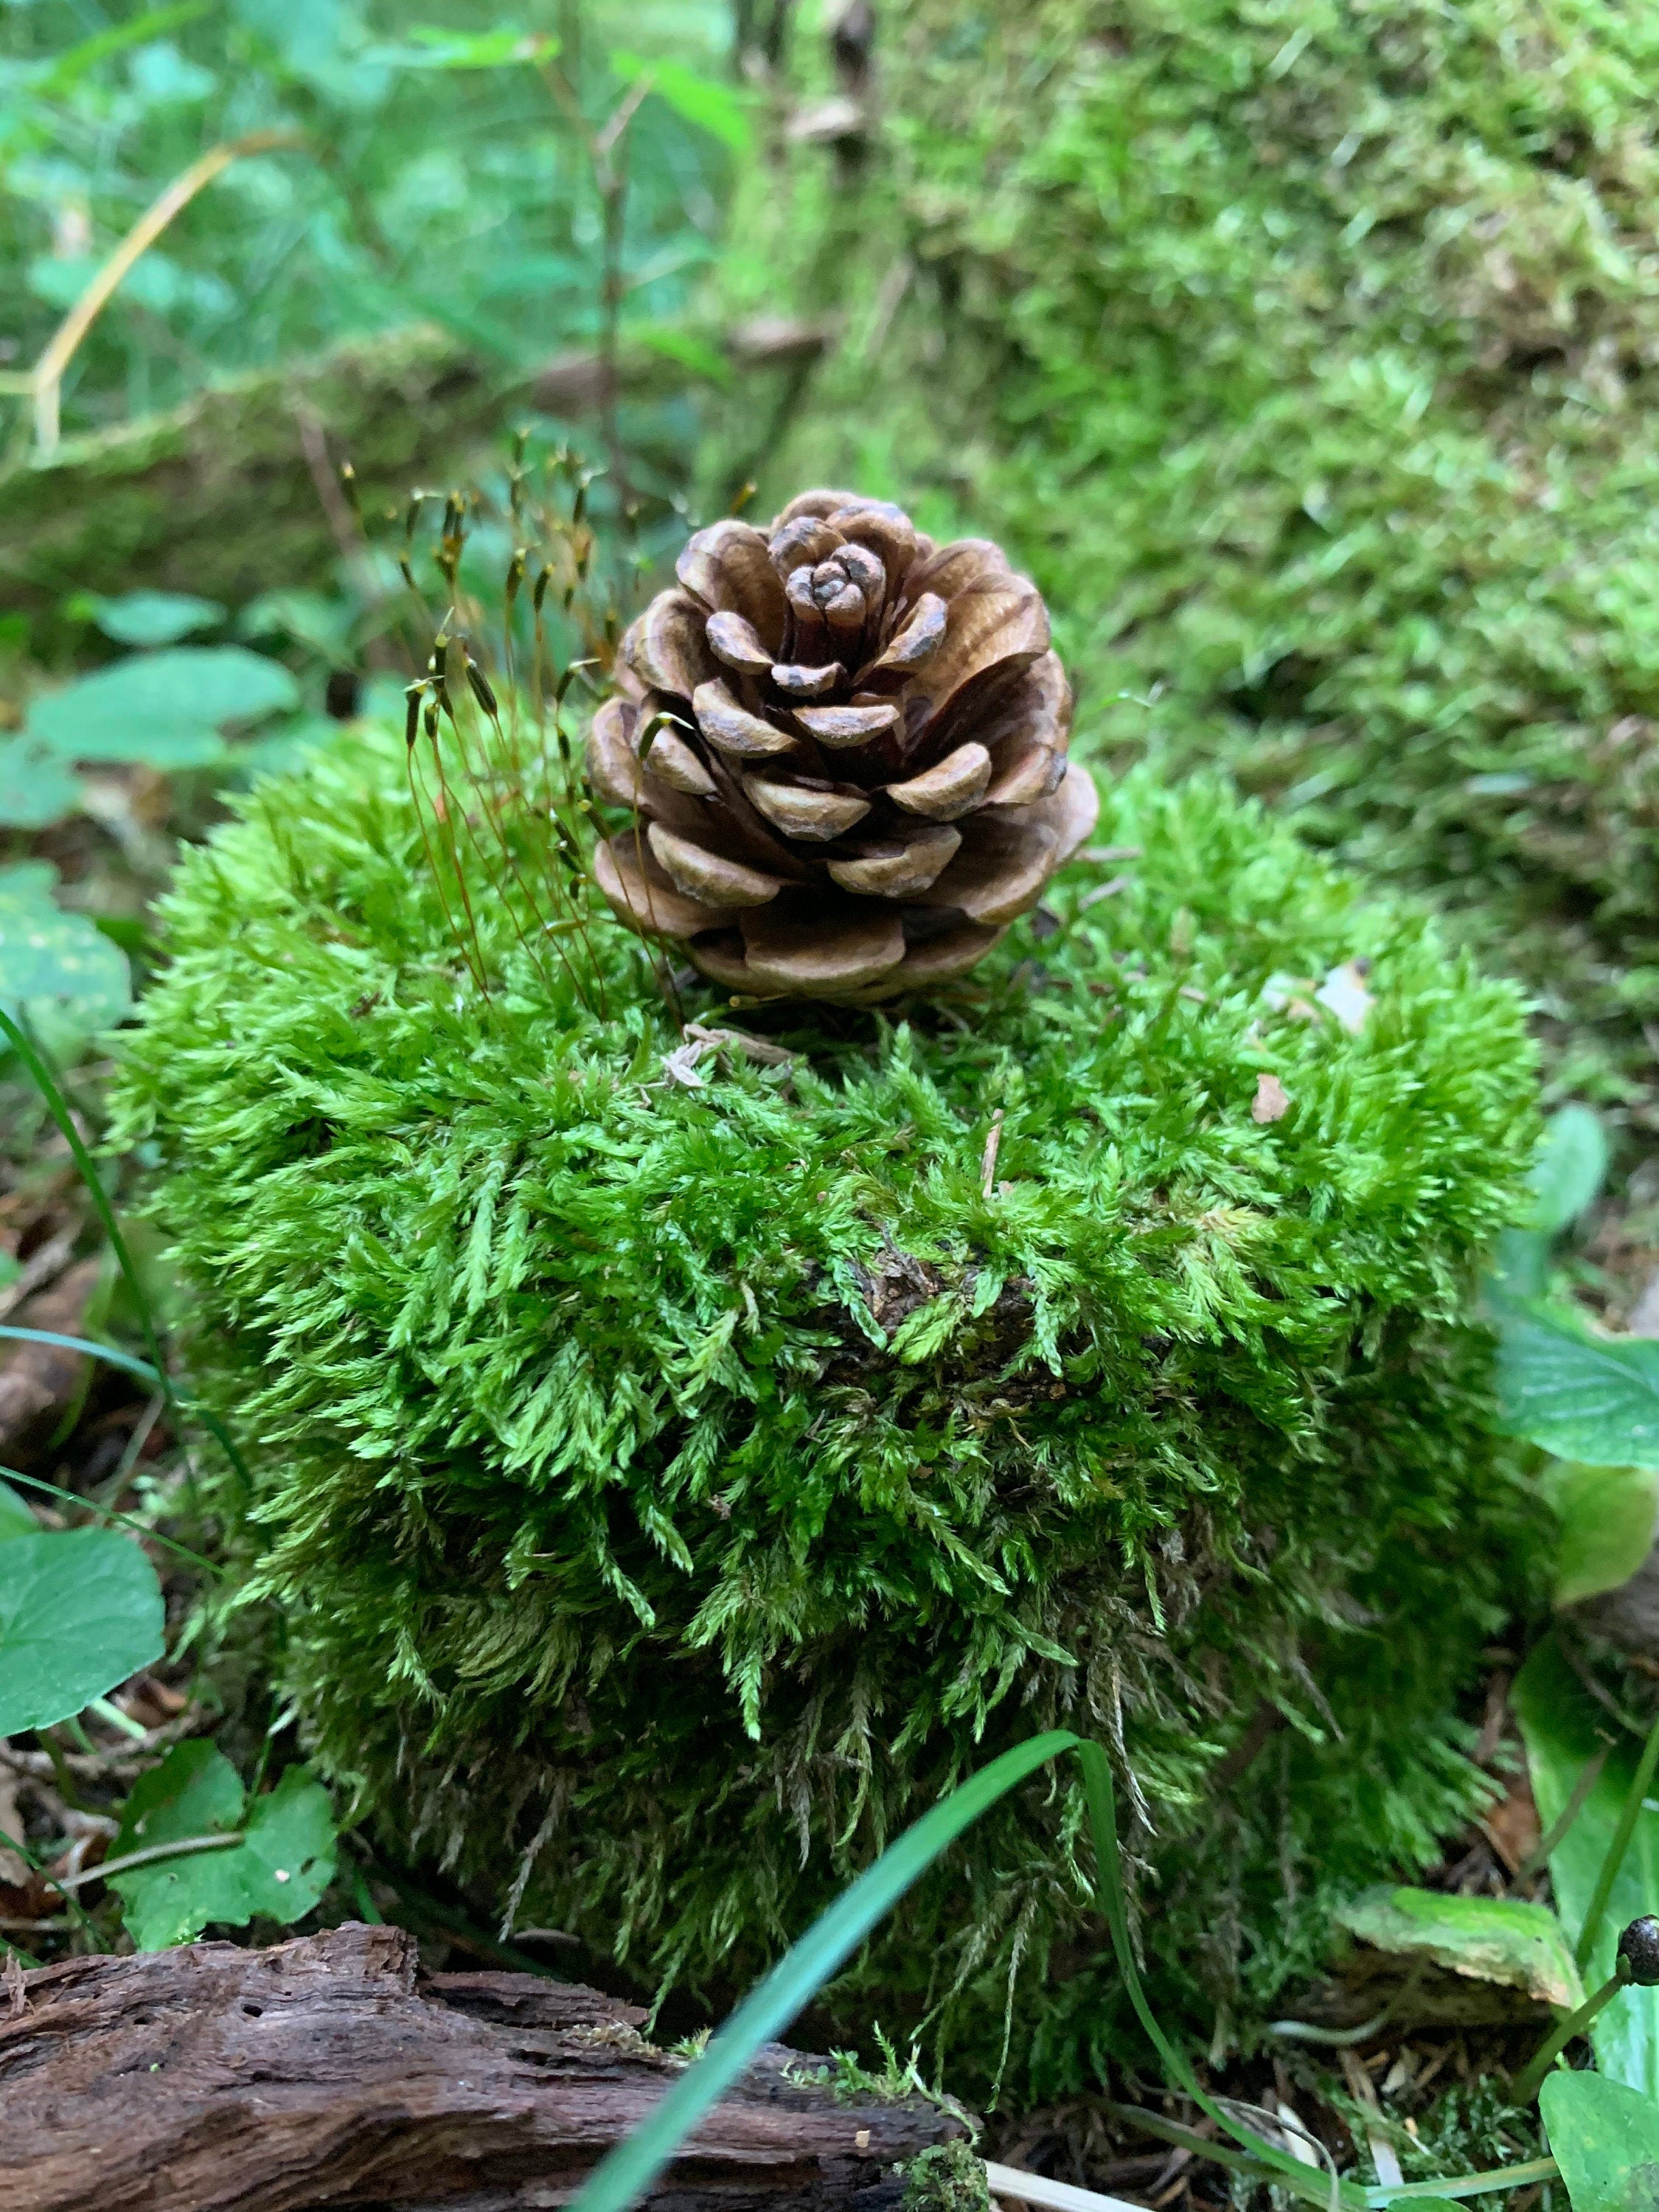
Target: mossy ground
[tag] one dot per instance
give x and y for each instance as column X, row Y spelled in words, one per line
column 667, row 1491
column 1303, row 351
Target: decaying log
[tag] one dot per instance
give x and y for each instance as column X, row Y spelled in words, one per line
column 219, row 497
column 321, row 2072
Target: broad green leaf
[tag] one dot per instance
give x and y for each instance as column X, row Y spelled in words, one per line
column 36, row 789
column 280, row 1868
column 1608, row 1516
column 310, row 618
column 289, row 745
column 80, row 1611
column 164, row 709
column 288, row 1855
column 702, row 100
column 149, row 618
column 1582, row 1397
column 1490, row 1939
column 15, row 1519
column 1568, row 1171
column 1605, row 2137
column 53, row 961
column 1563, row 1729
column 194, row 1791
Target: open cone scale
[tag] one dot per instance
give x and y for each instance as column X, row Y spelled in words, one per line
column 844, row 748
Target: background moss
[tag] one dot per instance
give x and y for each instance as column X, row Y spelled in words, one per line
column 621, row 1547
column 1302, row 350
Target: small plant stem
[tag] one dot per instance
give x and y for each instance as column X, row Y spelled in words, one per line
column 48, row 373
column 1538, row 1857
column 114, row 1717
column 1617, row 1848
column 1528, row 2082
column 184, row 1848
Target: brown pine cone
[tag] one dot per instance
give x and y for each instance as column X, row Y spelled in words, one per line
column 845, row 748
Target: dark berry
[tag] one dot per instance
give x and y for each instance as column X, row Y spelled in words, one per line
column 1639, row 1951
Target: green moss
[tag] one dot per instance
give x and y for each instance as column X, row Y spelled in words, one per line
column 946, row 2178
column 668, row 1491
column 1303, row 349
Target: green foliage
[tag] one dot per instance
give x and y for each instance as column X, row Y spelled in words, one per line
column 1565, row 1728
column 946, row 2178
column 599, row 1501
column 1491, row 1939
column 1299, row 346
column 278, row 1868
column 1605, row 2137
column 15, row 1518
column 1609, row 1516
column 55, row 967
column 437, row 181
column 165, row 710
column 149, row 618
column 1584, row 1396
column 80, row 1611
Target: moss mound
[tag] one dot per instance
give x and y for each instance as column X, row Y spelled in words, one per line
column 669, row 1490
column 1304, row 354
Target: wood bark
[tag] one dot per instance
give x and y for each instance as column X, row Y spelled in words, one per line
column 323, row 2072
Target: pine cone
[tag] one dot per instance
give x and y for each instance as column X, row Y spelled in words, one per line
column 845, row 748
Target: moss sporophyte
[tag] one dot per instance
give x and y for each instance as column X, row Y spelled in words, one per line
column 669, row 1486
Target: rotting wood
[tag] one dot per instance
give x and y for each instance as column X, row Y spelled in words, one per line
column 216, row 496
column 323, row 2072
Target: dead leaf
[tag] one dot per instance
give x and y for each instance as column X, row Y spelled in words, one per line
column 1344, row 994
column 1272, row 1101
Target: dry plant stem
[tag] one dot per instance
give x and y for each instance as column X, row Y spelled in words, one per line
column 1530, row 2079
column 48, row 373
column 1052, row 2195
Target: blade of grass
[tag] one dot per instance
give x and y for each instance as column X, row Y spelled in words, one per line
column 623, row 2176
column 50, row 1089
column 140, row 1368
column 1617, row 1845
column 628, row 2171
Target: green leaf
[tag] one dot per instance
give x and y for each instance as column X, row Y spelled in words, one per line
column 148, row 618
column 288, row 1854
column 434, row 49
column 1594, row 1399
column 702, row 100
column 36, row 789
column 1490, row 1939
column 1564, row 1730
column 1608, row 1516
column 51, row 959
column 1570, row 1170
column 194, row 1791
column 164, row 709
column 15, row 1519
column 80, row 1612
column 1605, row 2136
column 280, row 1868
